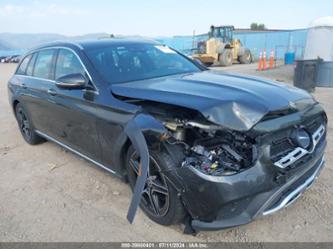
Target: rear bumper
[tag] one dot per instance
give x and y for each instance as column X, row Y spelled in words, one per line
column 265, row 203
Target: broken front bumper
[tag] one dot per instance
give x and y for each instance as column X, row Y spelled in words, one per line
column 221, row 202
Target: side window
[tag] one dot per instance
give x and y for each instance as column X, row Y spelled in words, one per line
column 67, row 63
column 43, row 64
column 31, row 64
column 23, row 66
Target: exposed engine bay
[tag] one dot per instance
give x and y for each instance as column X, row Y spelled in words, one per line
column 215, row 152
column 208, row 147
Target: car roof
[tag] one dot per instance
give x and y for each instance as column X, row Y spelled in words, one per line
column 98, row 43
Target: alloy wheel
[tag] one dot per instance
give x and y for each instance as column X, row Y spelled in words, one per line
column 24, row 124
column 155, row 196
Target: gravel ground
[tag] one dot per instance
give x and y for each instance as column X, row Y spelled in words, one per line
column 48, row 194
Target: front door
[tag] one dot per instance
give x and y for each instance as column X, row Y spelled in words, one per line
column 74, row 112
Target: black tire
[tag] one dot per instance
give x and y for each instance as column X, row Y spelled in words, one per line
column 246, row 58
column 226, row 58
column 170, row 208
column 26, row 127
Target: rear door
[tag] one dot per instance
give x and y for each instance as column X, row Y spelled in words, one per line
column 42, row 82
column 36, row 79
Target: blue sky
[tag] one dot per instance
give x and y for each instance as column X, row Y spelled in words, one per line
column 154, row 17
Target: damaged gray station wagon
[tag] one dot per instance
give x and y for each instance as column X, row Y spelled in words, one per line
column 208, row 149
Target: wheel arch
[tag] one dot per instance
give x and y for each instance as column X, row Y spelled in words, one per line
column 119, row 155
column 122, row 146
column 135, row 133
column 14, row 104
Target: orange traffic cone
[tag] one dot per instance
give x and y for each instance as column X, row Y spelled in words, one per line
column 271, row 59
column 264, row 60
column 260, row 62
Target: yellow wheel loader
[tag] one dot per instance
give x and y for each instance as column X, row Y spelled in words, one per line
column 221, row 48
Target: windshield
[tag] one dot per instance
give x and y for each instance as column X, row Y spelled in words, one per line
column 131, row 62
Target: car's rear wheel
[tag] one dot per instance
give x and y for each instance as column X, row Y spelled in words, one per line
column 26, row 127
column 160, row 200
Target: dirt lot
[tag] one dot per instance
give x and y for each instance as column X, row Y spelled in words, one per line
column 48, row 194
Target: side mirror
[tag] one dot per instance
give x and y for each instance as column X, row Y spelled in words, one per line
column 72, row 81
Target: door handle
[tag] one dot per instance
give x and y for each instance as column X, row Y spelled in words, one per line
column 52, row 92
column 24, row 86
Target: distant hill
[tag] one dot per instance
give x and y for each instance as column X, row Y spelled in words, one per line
column 12, row 41
column 4, row 46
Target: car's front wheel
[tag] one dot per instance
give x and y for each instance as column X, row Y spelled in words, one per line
column 160, row 200
column 26, row 126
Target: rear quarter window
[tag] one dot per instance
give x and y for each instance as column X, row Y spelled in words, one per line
column 23, row 66
column 30, row 68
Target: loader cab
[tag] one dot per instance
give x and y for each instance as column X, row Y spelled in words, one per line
column 223, row 32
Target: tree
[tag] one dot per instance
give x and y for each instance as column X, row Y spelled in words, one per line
column 261, row 26
column 257, row 26
column 254, row 26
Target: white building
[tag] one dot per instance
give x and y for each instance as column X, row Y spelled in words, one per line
column 319, row 41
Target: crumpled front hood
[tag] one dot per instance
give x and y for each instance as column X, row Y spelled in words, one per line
column 233, row 101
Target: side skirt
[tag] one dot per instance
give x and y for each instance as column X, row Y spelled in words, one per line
column 76, row 152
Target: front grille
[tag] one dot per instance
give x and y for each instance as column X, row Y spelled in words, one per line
column 313, row 125
column 282, row 147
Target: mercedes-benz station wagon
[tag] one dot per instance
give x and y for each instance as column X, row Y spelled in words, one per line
column 206, row 148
